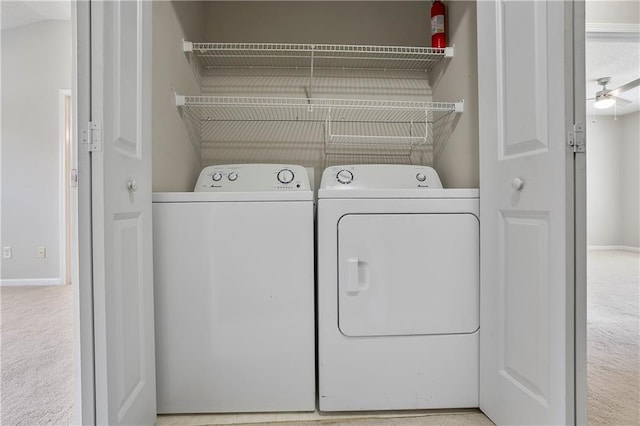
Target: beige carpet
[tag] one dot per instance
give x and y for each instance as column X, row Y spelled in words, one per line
column 613, row 337
column 36, row 354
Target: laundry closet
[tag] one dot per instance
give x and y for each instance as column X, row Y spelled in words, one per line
column 318, row 129
column 320, row 84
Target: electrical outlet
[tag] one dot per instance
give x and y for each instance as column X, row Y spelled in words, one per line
column 42, row 252
column 7, row 252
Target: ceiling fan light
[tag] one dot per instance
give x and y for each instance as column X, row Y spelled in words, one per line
column 604, row 102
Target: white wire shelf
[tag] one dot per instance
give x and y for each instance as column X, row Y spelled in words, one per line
column 319, row 56
column 342, row 159
column 369, row 126
column 282, row 109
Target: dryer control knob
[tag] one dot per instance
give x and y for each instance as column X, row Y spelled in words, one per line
column 344, row 176
column 216, row 177
column 285, row 176
column 232, row 176
column 421, row 177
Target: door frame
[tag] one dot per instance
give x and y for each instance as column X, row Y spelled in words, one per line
column 580, row 219
column 584, row 31
column 84, row 380
column 84, row 406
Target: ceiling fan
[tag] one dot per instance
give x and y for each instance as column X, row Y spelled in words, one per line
column 606, row 98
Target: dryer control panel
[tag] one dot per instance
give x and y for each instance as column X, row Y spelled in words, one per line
column 252, row 177
column 380, row 176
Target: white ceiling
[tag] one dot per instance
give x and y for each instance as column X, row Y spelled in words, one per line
column 20, row 12
column 618, row 59
column 612, row 50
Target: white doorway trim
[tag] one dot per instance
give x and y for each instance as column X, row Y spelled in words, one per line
column 64, row 134
column 612, row 32
column 84, row 400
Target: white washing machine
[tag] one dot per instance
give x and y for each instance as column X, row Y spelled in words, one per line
column 398, row 290
column 234, row 292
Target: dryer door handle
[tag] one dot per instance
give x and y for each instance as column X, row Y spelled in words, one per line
column 354, row 278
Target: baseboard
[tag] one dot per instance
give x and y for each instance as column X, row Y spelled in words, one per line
column 623, row 248
column 32, row 282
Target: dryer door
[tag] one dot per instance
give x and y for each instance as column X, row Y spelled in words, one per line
column 408, row 274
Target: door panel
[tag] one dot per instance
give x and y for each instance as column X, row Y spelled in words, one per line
column 524, row 305
column 408, row 274
column 525, row 73
column 121, row 208
column 127, row 77
column 129, row 312
column 522, row 76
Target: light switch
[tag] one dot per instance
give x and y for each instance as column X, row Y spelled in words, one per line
column 7, row 252
column 42, row 252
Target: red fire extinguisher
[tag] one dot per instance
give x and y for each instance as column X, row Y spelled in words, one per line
column 438, row 31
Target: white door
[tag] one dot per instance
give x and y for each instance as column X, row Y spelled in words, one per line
column 525, row 79
column 121, row 213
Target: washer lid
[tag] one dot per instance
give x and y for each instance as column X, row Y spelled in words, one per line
column 208, row 197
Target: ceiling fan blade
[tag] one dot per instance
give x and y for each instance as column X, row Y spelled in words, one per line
column 630, row 85
column 622, row 101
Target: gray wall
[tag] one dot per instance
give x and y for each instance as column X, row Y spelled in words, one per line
column 176, row 164
column 344, row 22
column 612, row 12
column 457, row 160
column 613, row 158
column 36, row 63
column 631, row 180
column 612, row 180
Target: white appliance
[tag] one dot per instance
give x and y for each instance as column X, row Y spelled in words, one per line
column 398, row 290
column 234, row 292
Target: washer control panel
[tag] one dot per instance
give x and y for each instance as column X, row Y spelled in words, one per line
column 252, row 177
column 380, row 176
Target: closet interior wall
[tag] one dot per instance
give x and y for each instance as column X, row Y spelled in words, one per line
column 395, row 23
column 175, row 162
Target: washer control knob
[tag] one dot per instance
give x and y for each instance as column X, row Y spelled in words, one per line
column 285, row 176
column 216, row 177
column 344, row 176
column 421, row 177
column 232, row 176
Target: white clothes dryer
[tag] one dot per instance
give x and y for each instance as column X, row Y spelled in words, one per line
column 398, row 290
column 234, row 292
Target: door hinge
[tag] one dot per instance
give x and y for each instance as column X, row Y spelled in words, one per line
column 577, row 138
column 92, row 137
column 74, row 178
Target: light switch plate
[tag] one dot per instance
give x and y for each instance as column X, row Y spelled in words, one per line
column 7, row 252
column 42, row 252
